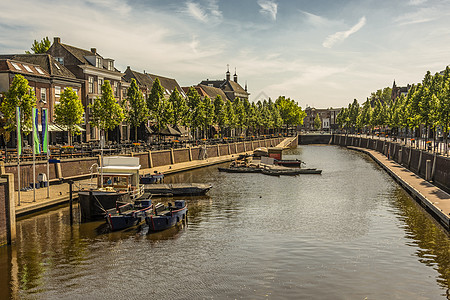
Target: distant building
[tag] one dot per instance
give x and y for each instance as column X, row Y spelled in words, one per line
column 231, row 88
column 327, row 117
column 46, row 77
column 397, row 91
column 145, row 82
column 207, row 91
column 92, row 69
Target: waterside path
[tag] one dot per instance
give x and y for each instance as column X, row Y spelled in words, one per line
column 432, row 198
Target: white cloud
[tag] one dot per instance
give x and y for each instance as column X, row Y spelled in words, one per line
column 340, row 36
column 196, row 11
column 416, row 2
column 315, row 19
column 210, row 12
column 269, row 8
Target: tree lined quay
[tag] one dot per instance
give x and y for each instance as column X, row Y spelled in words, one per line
column 421, row 118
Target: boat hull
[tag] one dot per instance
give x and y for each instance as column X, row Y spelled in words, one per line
column 163, row 222
column 94, row 204
column 192, row 189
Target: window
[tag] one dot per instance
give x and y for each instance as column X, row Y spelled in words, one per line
column 60, row 60
column 40, row 71
column 111, row 65
column 98, row 62
column 100, row 83
column 27, row 68
column 91, row 84
column 116, row 89
column 16, row 66
column 56, row 65
column 57, row 91
column 44, row 95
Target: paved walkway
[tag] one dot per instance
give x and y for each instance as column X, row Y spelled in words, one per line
column 430, row 196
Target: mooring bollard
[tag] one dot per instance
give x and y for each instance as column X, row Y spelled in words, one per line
column 71, row 201
column 428, row 170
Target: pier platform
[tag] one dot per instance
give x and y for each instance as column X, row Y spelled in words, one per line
column 432, row 198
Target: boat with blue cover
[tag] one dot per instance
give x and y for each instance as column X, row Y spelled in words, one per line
column 164, row 217
column 129, row 214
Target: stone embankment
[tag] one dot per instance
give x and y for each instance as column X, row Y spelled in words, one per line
column 424, row 175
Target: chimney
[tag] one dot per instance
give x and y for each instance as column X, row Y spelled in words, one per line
column 93, row 50
column 56, row 40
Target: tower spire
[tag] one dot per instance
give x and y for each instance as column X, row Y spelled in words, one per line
column 235, row 75
column 228, row 76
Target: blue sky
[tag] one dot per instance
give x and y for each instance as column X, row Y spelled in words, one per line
column 320, row 53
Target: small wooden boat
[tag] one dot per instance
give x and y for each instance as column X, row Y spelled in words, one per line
column 178, row 189
column 127, row 214
column 289, row 171
column 151, row 178
column 164, row 217
column 290, row 163
column 240, row 170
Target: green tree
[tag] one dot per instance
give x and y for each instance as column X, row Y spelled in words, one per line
column 19, row 94
column 317, row 122
column 366, row 114
column 40, row 47
column 240, row 114
column 69, row 112
column 290, row 112
column 230, row 116
column 161, row 110
column 220, row 114
column 444, row 110
column 106, row 113
column 196, row 110
column 208, row 118
column 137, row 111
column 180, row 108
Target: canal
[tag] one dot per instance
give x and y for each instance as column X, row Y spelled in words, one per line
column 350, row 233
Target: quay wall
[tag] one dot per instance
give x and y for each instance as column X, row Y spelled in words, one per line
column 78, row 168
column 7, row 209
column 306, row 139
column 413, row 159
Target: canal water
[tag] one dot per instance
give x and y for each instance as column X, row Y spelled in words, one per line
column 350, row 233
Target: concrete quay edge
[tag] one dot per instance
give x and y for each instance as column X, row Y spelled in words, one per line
column 422, row 196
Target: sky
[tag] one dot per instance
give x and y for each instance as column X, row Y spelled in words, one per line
column 320, row 53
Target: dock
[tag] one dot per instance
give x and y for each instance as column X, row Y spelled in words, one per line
column 430, row 197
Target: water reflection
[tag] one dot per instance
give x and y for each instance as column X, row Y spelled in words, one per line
column 432, row 243
column 350, row 232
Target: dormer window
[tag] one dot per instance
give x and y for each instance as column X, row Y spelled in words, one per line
column 98, row 62
column 60, row 60
column 111, row 65
column 16, row 66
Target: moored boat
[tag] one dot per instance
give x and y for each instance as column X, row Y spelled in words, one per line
column 164, row 217
column 178, row 189
column 239, row 170
column 128, row 214
column 118, row 181
column 151, row 178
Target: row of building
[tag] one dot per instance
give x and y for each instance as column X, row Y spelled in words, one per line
column 85, row 71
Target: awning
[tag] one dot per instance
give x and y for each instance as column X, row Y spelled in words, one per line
column 169, row 130
column 64, row 128
column 51, row 127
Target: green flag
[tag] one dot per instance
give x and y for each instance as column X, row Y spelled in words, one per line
column 36, row 143
column 19, row 135
column 44, row 124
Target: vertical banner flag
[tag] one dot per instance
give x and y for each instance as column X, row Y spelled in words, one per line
column 19, row 135
column 36, row 131
column 44, row 130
